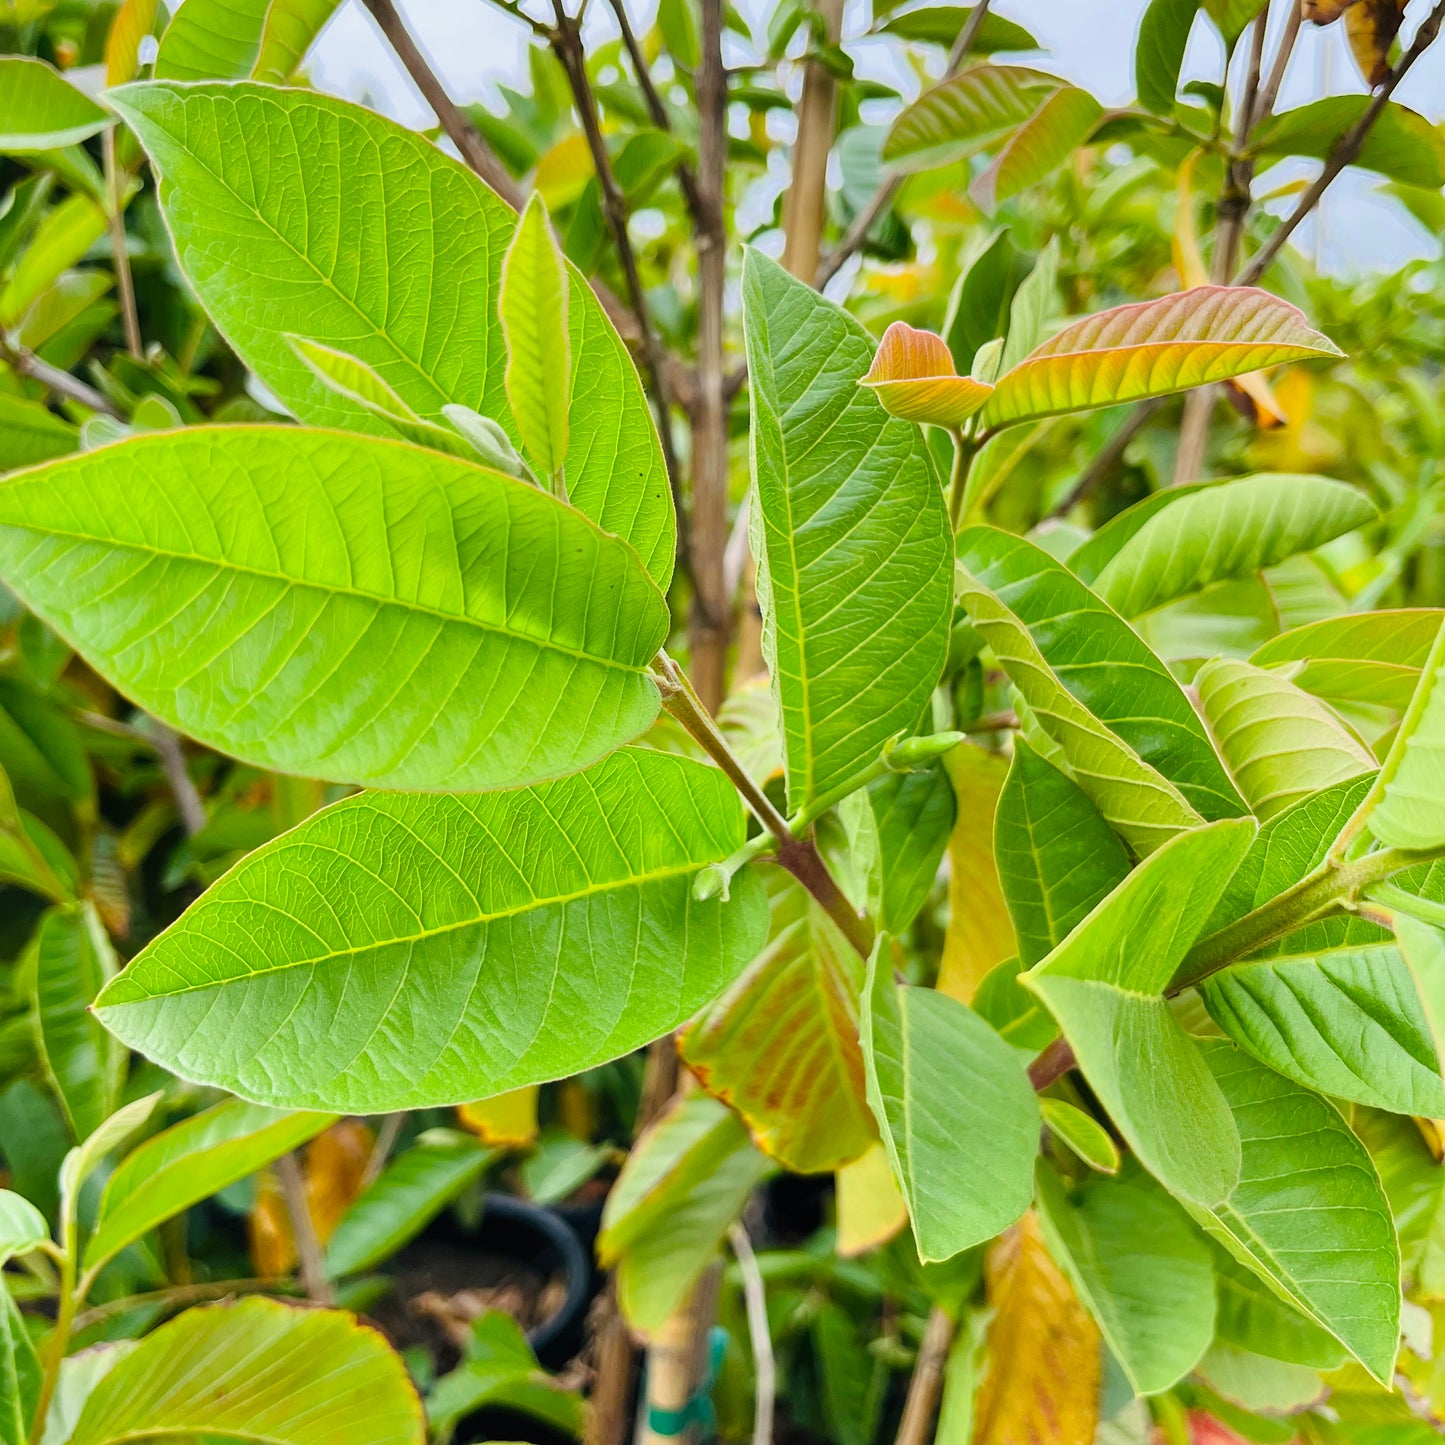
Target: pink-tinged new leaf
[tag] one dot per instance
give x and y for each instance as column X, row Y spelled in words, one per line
column 913, row 376
column 1154, row 347
column 1064, row 121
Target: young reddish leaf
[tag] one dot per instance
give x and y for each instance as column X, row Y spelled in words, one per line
column 1041, row 145
column 914, row 377
column 1151, row 348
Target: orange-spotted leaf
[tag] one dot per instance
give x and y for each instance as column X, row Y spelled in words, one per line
column 914, row 377
column 1150, row 348
column 1041, row 1377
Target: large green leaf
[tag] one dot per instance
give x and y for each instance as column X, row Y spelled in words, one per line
column 403, row 950
column 1183, row 539
column 189, row 1162
column 1105, row 984
column 1057, row 857
column 257, row 1371
column 1401, row 144
column 1151, row 348
column 1404, row 809
column 1308, row 1214
column 687, row 1178
column 1252, row 1316
column 1281, row 744
column 73, row 960
column 1139, row 1265
column 1363, row 657
column 211, row 40
column 963, row 113
column 409, row 1193
column 957, row 1113
column 1159, row 52
column 850, row 533
column 341, row 606
column 781, row 1045
column 1062, row 123
column 40, row 110
column 942, row 24
column 1345, row 1020
column 1102, row 662
column 297, row 214
column 31, row 432
column 19, row 1373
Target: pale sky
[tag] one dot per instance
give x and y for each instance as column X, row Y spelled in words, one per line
column 474, row 45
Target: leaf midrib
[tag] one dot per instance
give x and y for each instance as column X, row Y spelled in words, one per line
column 634, row 880
column 329, row 589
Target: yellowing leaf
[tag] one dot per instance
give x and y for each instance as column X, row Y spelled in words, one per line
column 133, row 22
column 1151, row 348
column 870, row 1208
column 563, row 172
column 335, row 1167
column 533, row 307
column 980, row 933
column 914, row 377
column 1041, row 1384
column 506, row 1120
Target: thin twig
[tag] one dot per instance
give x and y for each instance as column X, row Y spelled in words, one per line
column 115, row 219
column 927, row 1382
column 385, row 1142
column 1264, row 107
column 864, row 221
column 567, row 45
column 462, row 133
column 53, row 379
column 303, row 1231
column 183, row 789
column 756, row 1302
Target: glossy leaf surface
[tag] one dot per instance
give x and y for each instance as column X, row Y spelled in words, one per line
column 259, row 1371
column 963, row 113
column 1151, row 348
column 1139, row 1264
column 1105, row 985
column 351, row 267
column 940, row 1078
column 850, row 533
column 40, row 110
column 1308, row 1214
column 1401, row 144
column 276, row 560
column 189, row 1162
column 781, row 1044
column 419, row 950
column 1280, row 743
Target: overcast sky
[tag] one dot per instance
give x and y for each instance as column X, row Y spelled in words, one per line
column 474, row 45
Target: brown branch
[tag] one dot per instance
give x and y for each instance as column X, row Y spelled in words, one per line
column 462, row 133
column 183, row 789
column 53, row 379
column 867, row 218
column 567, row 45
column 1264, row 106
column 926, row 1384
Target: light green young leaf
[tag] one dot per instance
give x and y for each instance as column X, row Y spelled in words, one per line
column 19, row 1373
column 1308, row 1214
column 1033, row 303
column 257, row 1371
column 851, row 536
column 1345, row 1020
column 290, row 29
column 1159, row 52
column 685, row 1181
column 1404, row 809
column 1139, row 1266
column 1151, row 348
column 1082, row 1133
column 938, row 1074
column 189, row 1162
column 80, row 1163
column 211, row 39
column 1372, row 657
column 23, row 862
column 410, row 1192
column 22, row 1226
column 1063, row 122
column 1280, row 743
column 1080, row 646
column 30, row 432
column 474, row 599
column 781, row 1044
column 355, row 212
column 40, row 110
column 533, row 308
column 957, row 117
column 488, row 442
column 400, row 951
column 73, row 960
column 1057, row 857
column 1105, row 984
column 61, row 239
column 1182, row 539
